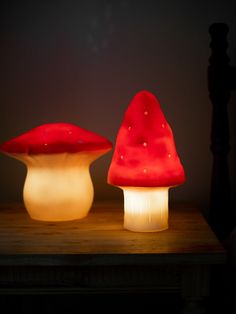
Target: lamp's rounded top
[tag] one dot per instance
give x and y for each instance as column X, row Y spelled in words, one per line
column 54, row 138
column 145, row 154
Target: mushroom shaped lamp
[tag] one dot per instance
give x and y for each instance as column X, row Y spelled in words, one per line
column 58, row 185
column 145, row 164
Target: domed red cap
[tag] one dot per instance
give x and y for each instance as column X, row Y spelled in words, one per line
column 145, row 153
column 56, row 138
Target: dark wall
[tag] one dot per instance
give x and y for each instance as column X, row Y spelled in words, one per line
column 82, row 62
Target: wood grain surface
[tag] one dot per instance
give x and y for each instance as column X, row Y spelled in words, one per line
column 100, row 239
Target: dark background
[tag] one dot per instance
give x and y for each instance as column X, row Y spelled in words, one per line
column 82, row 62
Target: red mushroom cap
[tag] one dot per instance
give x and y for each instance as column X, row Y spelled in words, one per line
column 145, row 153
column 54, row 138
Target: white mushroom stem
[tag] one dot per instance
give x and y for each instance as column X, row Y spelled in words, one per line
column 145, row 208
column 58, row 187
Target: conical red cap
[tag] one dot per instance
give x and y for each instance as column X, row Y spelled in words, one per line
column 145, row 154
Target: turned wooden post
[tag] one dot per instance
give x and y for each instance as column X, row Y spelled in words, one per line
column 221, row 80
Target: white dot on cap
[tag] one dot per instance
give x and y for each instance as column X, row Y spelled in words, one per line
column 145, row 113
column 145, row 144
column 130, row 127
column 169, row 155
column 163, row 125
column 145, row 170
column 122, row 157
column 45, row 144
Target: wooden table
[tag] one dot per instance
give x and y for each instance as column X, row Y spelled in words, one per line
column 96, row 255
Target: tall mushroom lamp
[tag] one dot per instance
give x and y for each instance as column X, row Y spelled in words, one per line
column 58, row 185
column 145, row 164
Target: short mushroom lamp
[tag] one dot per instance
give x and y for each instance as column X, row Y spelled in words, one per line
column 58, row 186
column 145, row 164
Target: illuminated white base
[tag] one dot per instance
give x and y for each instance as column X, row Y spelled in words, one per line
column 145, row 209
column 58, row 187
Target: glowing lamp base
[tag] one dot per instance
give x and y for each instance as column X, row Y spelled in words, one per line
column 145, row 209
column 58, row 187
